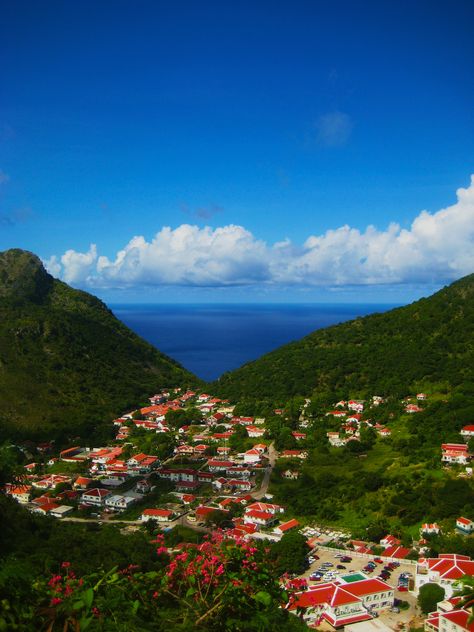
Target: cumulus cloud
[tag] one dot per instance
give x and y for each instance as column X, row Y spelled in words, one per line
column 334, row 129
column 438, row 247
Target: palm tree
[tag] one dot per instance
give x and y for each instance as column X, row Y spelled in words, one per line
column 466, row 591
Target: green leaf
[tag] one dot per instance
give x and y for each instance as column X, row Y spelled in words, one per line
column 77, row 605
column 190, row 592
column 263, row 598
column 135, row 606
column 88, row 596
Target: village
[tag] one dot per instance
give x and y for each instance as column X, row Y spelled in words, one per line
column 214, row 472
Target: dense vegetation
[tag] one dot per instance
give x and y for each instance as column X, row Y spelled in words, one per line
column 66, row 363
column 430, row 340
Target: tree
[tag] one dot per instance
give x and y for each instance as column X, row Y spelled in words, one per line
column 429, row 596
column 290, row 553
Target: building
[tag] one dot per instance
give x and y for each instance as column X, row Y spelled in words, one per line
column 94, row 496
column 444, row 570
column 161, row 515
column 342, row 604
column 465, row 526
column 455, row 453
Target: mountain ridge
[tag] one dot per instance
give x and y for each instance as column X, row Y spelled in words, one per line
column 431, row 339
column 66, row 362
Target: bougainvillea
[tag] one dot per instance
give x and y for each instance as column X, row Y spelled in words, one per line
column 220, row 584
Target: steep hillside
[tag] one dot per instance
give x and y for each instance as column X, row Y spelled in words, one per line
column 66, row 362
column 430, row 340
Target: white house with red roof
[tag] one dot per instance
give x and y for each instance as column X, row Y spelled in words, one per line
column 357, row 405
column 444, row 570
column 389, row 540
column 340, row 604
column 21, row 493
column 454, row 621
column 294, row 454
column 284, row 527
column 465, row 525
column 95, row 496
column 468, row 431
column 412, row 408
column 455, row 453
column 260, row 518
column 430, row 528
column 161, row 515
column 268, row 507
column 252, row 456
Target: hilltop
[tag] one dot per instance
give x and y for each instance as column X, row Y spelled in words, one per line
column 430, row 340
column 66, row 362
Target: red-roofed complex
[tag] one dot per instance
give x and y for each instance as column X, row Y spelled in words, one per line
column 444, row 570
column 342, row 604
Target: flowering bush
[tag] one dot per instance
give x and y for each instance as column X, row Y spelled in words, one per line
column 217, row 585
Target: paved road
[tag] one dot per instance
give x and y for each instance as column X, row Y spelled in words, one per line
column 272, row 457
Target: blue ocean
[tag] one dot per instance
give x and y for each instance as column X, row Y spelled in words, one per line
column 209, row 339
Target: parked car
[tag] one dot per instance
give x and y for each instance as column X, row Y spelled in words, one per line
column 346, row 558
column 341, row 566
column 378, row 560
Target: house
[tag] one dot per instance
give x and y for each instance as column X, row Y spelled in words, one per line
column 396, row 552
column 421, row 397
column 468, row 431
column 142, row 463
column 455, row 453
column 252, row 456
column 444, row 570
column 268, row 507
column 161, row 515
column 453, row 621
column 430, row 529
column 290, row 474
column 299, row 436
column 21, row 493
column 465, row 525
column 143, row 486
column 261, row 518
column 120, row 502
column 412, row 408
column 342, row 604
column 216, row 465
column 357, row 405
column 335, row 439
column 286, row 526
column 241, row 485
column 94, row 496
column 389, row 540
column 294, row 454
column 254, row 432
column 60, row 511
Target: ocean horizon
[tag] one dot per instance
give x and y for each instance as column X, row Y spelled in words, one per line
column 212, row 338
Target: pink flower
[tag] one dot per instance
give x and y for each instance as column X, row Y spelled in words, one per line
column 55, row 601
column 65, row 564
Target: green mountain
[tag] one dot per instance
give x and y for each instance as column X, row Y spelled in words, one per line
column 66, row 363
column 430, row 340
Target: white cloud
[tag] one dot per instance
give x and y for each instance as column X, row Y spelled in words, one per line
column 438, row 247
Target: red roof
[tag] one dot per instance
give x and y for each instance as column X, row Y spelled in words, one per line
column 459, row 617
column 465, row 521
column 469, row 428
column 286, row 526
column 163, row 513
column 398, row 552
column 368, row 587
column 259, row 515
column 451, row 566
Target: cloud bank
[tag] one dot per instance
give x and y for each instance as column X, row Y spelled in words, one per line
column 438, row 247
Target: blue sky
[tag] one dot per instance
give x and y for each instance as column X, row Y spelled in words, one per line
column 240, row 125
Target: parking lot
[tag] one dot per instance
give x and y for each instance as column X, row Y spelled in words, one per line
column 391, row 619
